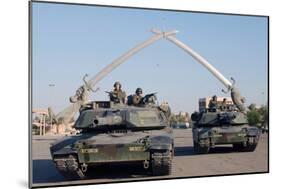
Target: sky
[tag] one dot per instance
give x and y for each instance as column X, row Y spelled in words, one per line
column 69, row 41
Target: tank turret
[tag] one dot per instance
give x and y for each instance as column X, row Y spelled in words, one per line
column 107, row 115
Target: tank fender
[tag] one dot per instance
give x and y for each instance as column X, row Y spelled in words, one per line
column 65, row 143
column 64, row 151
column 60, row 144
column 253, row 132
column 204, row 134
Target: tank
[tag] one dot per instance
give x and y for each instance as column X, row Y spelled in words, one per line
column 213, row 127
column 116, row 133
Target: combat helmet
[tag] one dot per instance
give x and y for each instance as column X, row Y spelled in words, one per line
column 138, row 91
column 117, row 83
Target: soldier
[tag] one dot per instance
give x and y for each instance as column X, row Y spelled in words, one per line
column 166, row 109
column 223, row 104
column 117, row 95
column 137, row 97
column 213, row 104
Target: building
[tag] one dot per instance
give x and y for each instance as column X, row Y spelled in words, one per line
column 204, row 102
column 40, row 123
column 184, row 115
column 181, row 117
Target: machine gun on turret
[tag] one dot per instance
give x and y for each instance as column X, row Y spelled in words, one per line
column 149, row 99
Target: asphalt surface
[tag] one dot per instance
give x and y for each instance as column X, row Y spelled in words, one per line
column 220, row 161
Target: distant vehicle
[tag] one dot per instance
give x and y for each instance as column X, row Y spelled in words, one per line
column 211, row 128
column 180, row 126
column 116, row 133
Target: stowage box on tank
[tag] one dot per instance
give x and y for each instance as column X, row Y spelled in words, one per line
column 116, row 133
column 229, row 126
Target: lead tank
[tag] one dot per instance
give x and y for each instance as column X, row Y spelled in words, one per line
column 116, row 133
column 213, row 127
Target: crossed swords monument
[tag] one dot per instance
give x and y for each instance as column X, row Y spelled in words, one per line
column 81, row 97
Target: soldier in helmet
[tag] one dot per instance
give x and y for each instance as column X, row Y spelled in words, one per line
column 223, row 105
column 213, row 104
column 117, row 95
column 137, row 97
column 165, row 108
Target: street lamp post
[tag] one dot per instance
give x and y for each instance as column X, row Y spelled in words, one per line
column 51, row 85
column 263, row 98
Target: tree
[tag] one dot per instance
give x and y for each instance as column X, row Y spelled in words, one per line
column 181, row 118
column 254, row 118
column 257, row 116
column 173, row 119
column 263, row 111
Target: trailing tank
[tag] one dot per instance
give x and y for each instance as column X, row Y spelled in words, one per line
column 116, row 133
column 213, row 127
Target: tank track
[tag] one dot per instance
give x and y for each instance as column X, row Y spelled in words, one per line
column 250, row 145
column 200, row 149
column 68, row 166
column 161, row 163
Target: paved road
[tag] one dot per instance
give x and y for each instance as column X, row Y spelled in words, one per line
column 221, row 160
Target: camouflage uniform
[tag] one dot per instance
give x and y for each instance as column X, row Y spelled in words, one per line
column 223, row 105
column 166, row 109
column 137, row 97
column 117, row 95
column 213, row 104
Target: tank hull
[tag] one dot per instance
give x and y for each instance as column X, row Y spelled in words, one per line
column 75, row 155
column 220, row 128
column 227, row 135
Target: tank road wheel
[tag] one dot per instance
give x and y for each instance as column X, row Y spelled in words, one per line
column 161, row 164
column 238, row 147
column 249, row 146
column 69, row 167
column 203, row 150
column 252, row 143
column 200, row 149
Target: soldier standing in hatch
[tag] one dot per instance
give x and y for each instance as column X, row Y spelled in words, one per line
column 117, row 95
column 223, row 104
column 213, row 104
column 137, row 97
